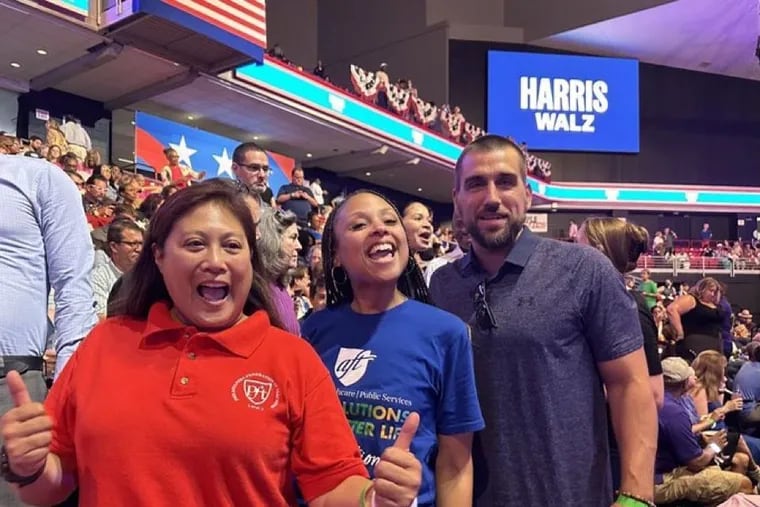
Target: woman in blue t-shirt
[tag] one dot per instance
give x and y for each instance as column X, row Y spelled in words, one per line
column 390, row 353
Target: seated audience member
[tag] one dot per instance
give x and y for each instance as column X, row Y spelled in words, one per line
column 745, row 317
column 314, row 261
column 684, row 470
column 747, row 383
column 125, row 242
column 168, row 190
column 129, row 192
column 297, row 198
column 300, row 288
column 100, row 235
column 53, row 154
column 196, row 297
column 707, row 394
column 378, row 317
column 148, row 208
column 77, row 179
column 94, row 192
column 278, row 247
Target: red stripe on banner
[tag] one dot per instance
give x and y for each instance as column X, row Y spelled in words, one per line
column 235, row 15
column 244, row 5
column 255, row 35
column 149, row 149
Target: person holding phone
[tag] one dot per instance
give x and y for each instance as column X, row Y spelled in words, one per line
column 684, row 469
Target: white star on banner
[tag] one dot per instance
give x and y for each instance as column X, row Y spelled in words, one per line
column 183, row 151
column 225, row 164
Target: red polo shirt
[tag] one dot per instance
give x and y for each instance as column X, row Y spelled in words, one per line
column 156, row 413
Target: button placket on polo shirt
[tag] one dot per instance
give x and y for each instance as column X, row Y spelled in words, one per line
column 186, row 374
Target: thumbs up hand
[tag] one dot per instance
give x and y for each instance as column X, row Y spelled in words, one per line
column 398, row 474
column 25, row 429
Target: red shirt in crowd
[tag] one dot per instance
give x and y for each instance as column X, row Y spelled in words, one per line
column 156, row 413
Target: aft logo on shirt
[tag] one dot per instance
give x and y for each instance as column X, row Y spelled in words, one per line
column 351, row 365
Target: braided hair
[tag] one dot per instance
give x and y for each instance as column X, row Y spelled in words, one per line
column 411, row 283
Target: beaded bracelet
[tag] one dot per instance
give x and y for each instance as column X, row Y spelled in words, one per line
column 626, row 499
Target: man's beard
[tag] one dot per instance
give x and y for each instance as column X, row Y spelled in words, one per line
column 499, row 240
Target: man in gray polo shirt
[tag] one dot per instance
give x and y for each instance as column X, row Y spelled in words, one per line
column 551, row 325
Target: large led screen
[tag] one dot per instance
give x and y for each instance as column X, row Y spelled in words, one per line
column 563, row 102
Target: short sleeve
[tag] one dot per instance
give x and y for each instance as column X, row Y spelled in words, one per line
column 285, row 189
column 682, row 440
column 60, row 404
column 458, row 408
column 325, row 452
column 609, row 313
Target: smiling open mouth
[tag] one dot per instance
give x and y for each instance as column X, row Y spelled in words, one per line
column 213, row 293
column 381, row 251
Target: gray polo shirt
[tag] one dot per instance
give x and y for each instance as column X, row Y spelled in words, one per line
column 559, row 309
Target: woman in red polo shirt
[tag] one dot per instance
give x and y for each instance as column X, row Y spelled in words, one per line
column 192, row 396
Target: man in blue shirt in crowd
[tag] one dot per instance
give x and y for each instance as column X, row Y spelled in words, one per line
column 551, row 324
column 297, row 197
column 685, row 471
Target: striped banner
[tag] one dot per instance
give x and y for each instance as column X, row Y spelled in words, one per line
column 243, row 18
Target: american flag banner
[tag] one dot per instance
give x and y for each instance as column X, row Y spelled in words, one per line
column 240, row 24
column 245, row 18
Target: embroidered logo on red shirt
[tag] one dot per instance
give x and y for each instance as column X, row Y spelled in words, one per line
column 258, row 389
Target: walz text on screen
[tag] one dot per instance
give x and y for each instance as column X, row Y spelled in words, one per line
column 564, row 102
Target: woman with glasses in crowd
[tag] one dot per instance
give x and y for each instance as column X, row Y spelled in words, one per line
column 192, row 395
column 279, row 247
column 391, row 353
column 697, row 319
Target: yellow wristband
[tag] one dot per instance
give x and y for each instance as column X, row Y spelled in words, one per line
column 363, row 496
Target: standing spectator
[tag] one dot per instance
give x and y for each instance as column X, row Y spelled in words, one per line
column 552, row 328
column 45, row 243
column 297, row 197
column 668, row 292
column 648, row 289
column 705, row 235
column 572, row 231
column 250, row 165
column 175, row 173
column 383, row 82
column 376, row 293
column 697, row 320
column 418, row 222
column 278, row 248
column 319, row 193
column 125, row 242
column 194, row 356
column 669, row 237
column 320, row 71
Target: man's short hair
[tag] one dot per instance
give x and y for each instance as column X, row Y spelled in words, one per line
column 96, row 177
column 117, row 228
column 35, row 138
column 487, row 143
column 239, row 154
column 295, row 170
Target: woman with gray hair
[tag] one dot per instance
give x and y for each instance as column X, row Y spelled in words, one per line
column 278, row 247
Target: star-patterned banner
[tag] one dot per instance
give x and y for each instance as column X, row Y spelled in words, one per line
column 197, row 149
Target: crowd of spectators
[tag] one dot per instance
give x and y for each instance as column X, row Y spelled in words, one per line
column 402, row 98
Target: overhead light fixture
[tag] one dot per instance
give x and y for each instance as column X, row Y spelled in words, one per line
column 368, row 173
column 255, row 138
column 381, row 150
column 190, row 117
column 15, row 65
column 419, row 189
column 308, row 155
column 41, row 52
column 414, row 161
column 132, row 122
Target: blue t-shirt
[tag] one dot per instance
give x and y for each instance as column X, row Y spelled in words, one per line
column 747, row 382
column 676, row 443
column 411, row 358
